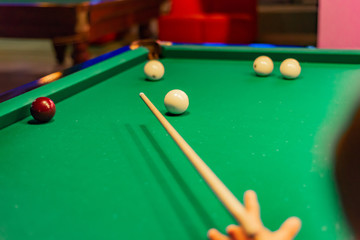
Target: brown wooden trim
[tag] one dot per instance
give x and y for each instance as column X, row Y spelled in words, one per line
column 34, row 22
column 75, row 23
column 123, row 22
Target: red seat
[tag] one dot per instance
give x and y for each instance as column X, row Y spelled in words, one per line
column 217, row 21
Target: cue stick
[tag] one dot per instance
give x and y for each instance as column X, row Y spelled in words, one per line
column 218, row 187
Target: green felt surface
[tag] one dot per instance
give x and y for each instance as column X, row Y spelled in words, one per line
column 104, row 168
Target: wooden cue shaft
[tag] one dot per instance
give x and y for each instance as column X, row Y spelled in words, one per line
column 222, row 192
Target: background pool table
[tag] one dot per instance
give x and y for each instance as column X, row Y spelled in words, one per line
column 105, row 168
column 75, row 22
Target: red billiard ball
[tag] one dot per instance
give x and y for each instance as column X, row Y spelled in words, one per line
column 43, row 109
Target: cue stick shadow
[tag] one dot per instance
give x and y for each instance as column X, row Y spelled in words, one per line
column 124, row 147
column 166, row 188
column 209, row 223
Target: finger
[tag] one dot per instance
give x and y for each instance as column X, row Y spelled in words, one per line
column 251, row 203
column 289, row 228
column 236, row 232
column 214, row 234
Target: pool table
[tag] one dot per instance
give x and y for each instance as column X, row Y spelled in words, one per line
column 75, row 22
column 104, row 167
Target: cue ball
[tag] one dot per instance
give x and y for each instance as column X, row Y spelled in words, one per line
column 290, row 68
column 263, row 66
column 43, row 109
column 176, row 101
column 154, row 70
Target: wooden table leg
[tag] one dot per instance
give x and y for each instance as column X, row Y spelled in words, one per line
column 80, row 52
column 60, row 50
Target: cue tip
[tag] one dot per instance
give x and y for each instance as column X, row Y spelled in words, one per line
column 141, row 94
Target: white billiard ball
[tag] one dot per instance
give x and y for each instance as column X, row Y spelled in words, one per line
column 263, row 66
column 154, row 70
column 290, row 68
column 176, row 101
